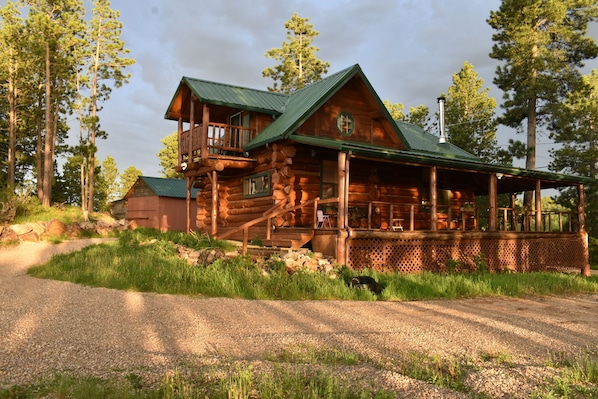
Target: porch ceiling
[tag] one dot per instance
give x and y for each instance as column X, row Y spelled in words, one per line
column 479, row 183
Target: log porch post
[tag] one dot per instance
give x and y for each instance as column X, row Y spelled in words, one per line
column 203, row 138
column 585, row 271
column 214, row 203
column 538, row 205
column 433, row 200
column 191, row 128
column 343, row 178
column 581, row 208
column 513, row 214
column 492, row 194
column 189, row 186
column 180, row 144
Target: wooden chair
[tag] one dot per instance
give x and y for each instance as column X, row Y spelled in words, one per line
column 322, row 219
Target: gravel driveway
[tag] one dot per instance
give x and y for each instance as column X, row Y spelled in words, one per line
column 49, row 325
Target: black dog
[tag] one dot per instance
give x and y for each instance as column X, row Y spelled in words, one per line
column 366, row 282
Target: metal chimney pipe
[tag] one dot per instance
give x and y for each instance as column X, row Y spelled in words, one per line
column 441, row 101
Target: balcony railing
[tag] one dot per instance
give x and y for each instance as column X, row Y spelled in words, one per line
column 221, row 139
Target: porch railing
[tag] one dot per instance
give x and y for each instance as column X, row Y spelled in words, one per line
column 377, row 215
column 222, row 139
column 510, row 219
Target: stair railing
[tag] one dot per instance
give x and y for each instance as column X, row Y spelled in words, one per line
column 267, row 217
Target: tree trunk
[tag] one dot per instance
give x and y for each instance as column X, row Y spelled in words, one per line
column 48, row 155
column 12, row 119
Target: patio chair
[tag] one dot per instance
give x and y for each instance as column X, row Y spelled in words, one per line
column 322, row 219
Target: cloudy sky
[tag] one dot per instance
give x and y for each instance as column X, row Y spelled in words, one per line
column 408, row 49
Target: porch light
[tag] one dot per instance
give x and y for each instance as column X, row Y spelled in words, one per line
column 441, row 101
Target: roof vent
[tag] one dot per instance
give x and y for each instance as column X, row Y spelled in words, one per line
column 443, row 138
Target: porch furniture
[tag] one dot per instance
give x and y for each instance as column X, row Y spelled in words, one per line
column 397, row 225
column 322, row 219
column 468, row 218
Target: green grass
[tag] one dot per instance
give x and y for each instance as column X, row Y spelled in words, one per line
column 240, row 384
column 146, row 260
column 35, row 212
column 577, row 378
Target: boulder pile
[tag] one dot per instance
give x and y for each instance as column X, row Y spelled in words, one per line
column 306, row 261
column 302, row 260
column 35, row 231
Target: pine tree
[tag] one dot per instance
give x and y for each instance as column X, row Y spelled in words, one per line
column 469, row 117
column 575, row 127
column 419, row 116
column 54, row 32
column 298, row 64
column 105, row 62
column 168, row 156
column 128, row 178
column 110, row 179
column 11, row 76
column 543, row 43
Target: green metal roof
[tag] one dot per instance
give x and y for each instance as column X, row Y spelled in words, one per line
column 469, row 162
column 290, row 111
column 236, row 97
column 172, row 188
column 300, row 105
column 420, row 140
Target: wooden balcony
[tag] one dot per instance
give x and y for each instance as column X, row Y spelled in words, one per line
column 217, row 140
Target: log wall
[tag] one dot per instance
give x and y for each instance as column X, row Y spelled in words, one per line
column 370, row 125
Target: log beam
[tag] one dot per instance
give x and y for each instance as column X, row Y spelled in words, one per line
column 492, row 199
column 214, row 227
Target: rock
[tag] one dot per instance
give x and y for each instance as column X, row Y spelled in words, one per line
column 73, row 230
column 8, row 235
column 29, row 236
column 87, row 225
column 21, row 229
column 55, row 228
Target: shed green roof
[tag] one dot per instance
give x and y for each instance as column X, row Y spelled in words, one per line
column 172, row 188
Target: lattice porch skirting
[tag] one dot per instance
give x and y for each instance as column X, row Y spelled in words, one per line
column 416, row 252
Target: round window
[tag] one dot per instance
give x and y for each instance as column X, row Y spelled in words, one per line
column 345, row 123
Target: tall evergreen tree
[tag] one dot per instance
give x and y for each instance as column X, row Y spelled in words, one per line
column 110, row 179
column 55, row 31
column 419, row 116
column 469, row 117
column 168, row 157
column 542, row 43
column 128, row 178
column 575, row 127
column 11, row 76
column 105, row 60
column 298, row 63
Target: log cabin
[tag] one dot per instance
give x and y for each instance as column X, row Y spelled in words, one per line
column 327, row 166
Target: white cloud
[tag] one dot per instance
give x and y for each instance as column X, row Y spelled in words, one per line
column 408, row 49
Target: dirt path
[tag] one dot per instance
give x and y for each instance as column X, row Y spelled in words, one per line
column 49, row 325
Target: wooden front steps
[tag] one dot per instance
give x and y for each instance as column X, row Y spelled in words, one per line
column 289, row 237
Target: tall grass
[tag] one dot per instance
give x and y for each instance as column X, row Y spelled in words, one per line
column 145, row 260
column 578, row 376
column 33, row 211
column 243, row 383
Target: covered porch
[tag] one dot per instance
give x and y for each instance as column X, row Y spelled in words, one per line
column 468, row 226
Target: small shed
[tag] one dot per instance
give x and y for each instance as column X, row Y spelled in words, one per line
column 159, row 203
